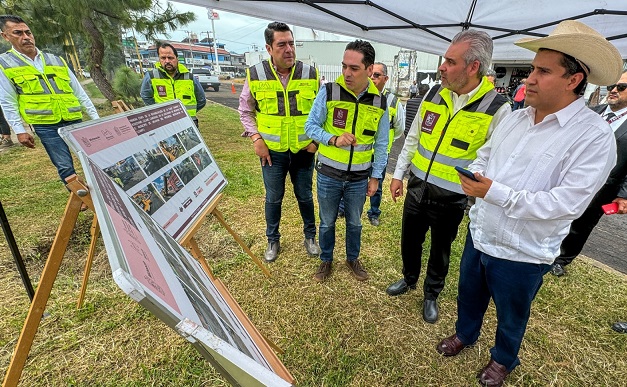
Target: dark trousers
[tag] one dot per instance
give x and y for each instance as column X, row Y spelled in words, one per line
column 512, row 285
column 5, row 129
column 582, row 227
column 444, row 222
column 300, row 168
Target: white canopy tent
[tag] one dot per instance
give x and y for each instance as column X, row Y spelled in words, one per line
column 429, row 25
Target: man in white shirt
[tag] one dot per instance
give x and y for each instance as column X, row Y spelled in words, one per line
column 615, row 188
column 535, row 175
column 39, row 88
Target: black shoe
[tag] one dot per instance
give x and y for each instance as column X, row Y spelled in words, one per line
column 272, row 252
column 374, row 221
column 399, row 287
column 340, row 214
column 558, row 270
column 312, row 247
column 620, row 327
column 430, row 311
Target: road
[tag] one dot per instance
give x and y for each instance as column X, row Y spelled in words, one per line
column 606, row 244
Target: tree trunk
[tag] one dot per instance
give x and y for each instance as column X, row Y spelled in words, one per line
column 96, row 55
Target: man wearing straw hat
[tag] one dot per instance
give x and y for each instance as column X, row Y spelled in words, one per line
column 535, row 175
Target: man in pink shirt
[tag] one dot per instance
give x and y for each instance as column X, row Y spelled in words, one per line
column 277, row 97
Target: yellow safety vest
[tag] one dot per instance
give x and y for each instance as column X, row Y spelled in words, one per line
column 392, row 113
column 346, row 113
column 181, row 87
column 449, row 140
column 282, row 112
column 43, row 98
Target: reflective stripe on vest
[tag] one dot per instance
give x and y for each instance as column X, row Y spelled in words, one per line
column 447, row 141
column 360, row 117
column 282, row 112
column 43, row 97
column 181, row 87
column 392, row 113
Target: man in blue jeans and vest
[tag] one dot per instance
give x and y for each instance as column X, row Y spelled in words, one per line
column 274, row 104
column 349, row 119
column 453, row 121
column 39, row 88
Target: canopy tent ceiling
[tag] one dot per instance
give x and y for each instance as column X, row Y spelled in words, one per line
column 429, row 25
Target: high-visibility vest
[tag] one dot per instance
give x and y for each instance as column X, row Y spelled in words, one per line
column 448, row 140
column 181, row 87
column 392, row 101
column 361, row 117
column 43, row 98
column 282, row 112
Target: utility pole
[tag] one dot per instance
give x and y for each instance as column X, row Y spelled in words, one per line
column 213, row 15
column 191, row 51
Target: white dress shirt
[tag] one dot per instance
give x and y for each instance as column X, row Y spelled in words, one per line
column 544, row 176
column 413, row 136
column 8, row 98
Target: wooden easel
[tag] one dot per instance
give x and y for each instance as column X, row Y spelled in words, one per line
column 120, row 106
column 187, row 240
column 79, row 195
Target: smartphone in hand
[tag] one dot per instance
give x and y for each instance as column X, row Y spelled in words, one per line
column 610, row 209
column 466, row 173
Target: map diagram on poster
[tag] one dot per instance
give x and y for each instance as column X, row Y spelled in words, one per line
column 154, row 270
column 157, row 156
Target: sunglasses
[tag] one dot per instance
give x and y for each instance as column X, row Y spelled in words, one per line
column 377, row 75
column 619, row 86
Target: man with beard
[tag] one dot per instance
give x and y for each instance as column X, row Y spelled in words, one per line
column 454, row 120
column 171, row 80
column 615, row 188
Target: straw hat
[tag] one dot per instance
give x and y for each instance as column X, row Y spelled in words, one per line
column 584, row 44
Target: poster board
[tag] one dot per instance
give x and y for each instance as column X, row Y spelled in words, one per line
column 158, row 273
column 157, row 155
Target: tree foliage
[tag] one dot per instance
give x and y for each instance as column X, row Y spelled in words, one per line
column 127, row 83
column 99, row 22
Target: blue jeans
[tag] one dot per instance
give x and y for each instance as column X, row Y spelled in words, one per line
column 56, row 148
column 300, row 166
column 512, row 285
column 330, row 191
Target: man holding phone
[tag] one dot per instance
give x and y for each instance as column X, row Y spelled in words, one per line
column 615, row 188
column 454, row 120
column 534, row 178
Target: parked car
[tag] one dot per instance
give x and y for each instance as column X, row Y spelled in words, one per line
column 206, row 79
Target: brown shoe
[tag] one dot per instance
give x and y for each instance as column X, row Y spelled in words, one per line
column 451, row 346
column 493, row 374
column 358, row 270
column 324, row 270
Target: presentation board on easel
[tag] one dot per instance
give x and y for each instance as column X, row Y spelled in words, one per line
column 158, row 273
column 157, row 156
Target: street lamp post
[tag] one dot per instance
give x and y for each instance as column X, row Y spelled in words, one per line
column 213, row 15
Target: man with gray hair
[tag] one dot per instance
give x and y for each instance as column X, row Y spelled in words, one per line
column 454, row 120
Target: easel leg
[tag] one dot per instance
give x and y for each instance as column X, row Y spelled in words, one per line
column 200, row 258
column 42, row 294
column 95, row 230
column 239, row 240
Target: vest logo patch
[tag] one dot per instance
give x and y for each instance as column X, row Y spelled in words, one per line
column 339, row 117
column 161, row 91
column 428, row 123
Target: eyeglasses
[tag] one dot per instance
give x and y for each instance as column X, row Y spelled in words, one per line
column 619, row 86
column 377, row 75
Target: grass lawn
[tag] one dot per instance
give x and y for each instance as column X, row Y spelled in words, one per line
column 339, row 333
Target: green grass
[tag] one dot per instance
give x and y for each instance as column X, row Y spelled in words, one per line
column 339, row 333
